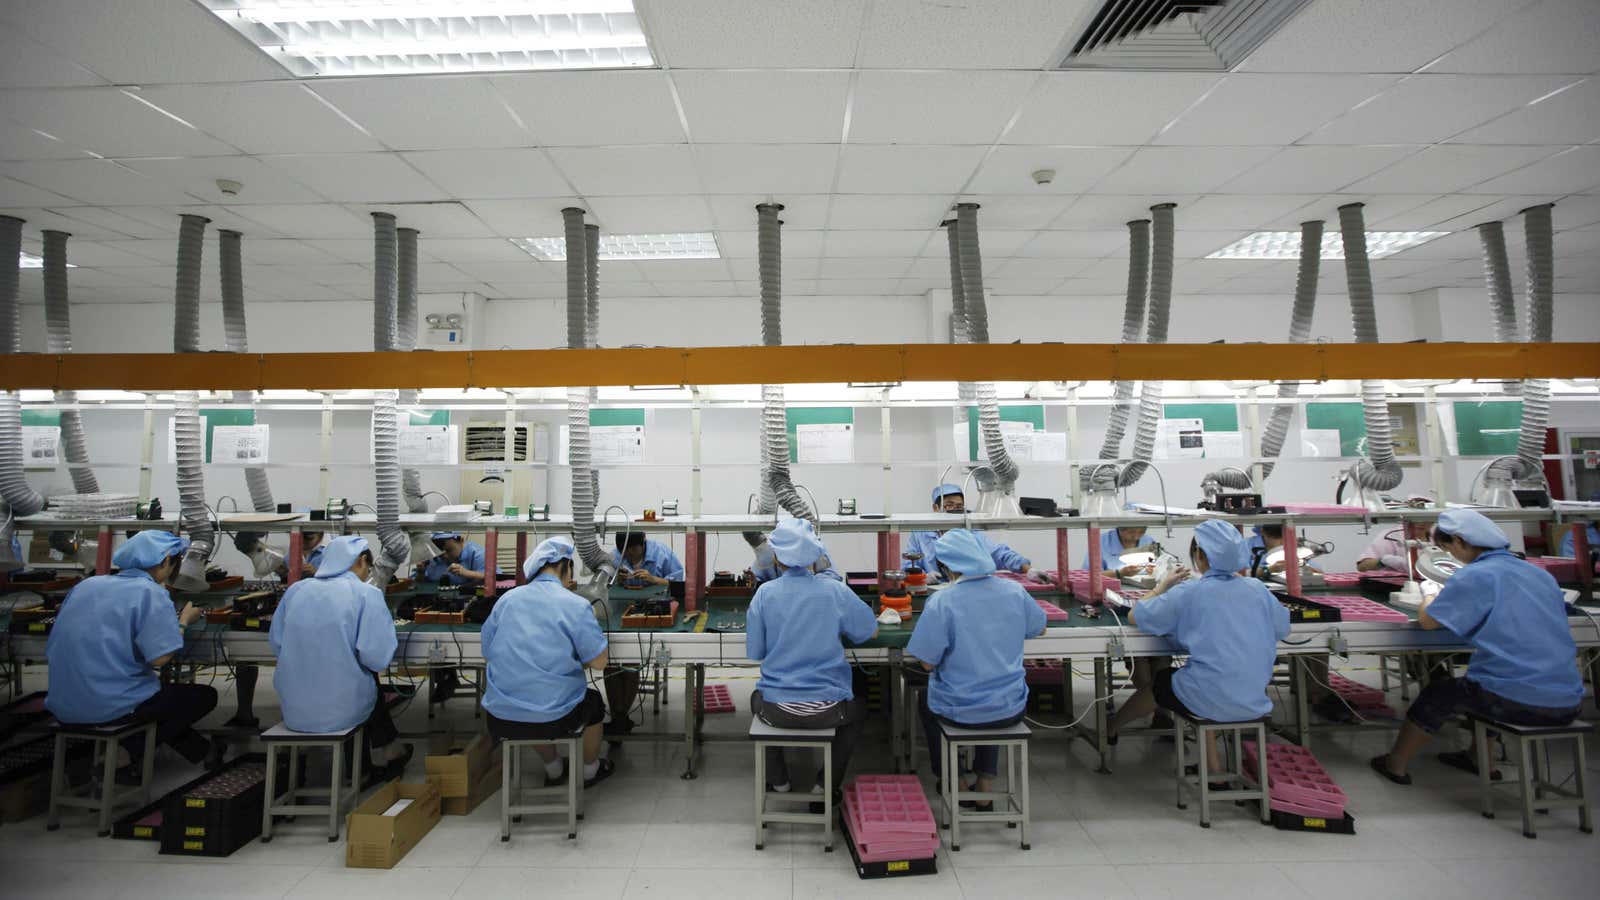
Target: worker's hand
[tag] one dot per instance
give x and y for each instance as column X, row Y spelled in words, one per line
column 1127, row 571
column 1396, row 562
column 1025, row 568
column 457, row 569
column 190, row 615
column 1178, row 575
column 1277, row 566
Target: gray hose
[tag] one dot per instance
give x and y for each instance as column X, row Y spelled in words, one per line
column 22, row 499
column 1132, row 329
column 1541, row 328
column 1159, row 311
column 58, row 326
column 236, row 335
column 594, row 556
column 396, row 546
column 1305, row 303
column 774, row 415
column 1502, row 301
column 188, row 439
column 1005, row 470
column 591, row 319
column 966, row 391
column 1384, row 473
column 405, row 323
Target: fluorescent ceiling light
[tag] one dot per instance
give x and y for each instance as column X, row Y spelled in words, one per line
column 376, row 37
column 29, row 261
column 1286, row 244
column 691, row 245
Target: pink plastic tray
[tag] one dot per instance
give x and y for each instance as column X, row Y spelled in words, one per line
column 1323, row 509
column 888, row 807
column 1561, row 569
column 1042, row 671
column 1356, row 693
column 1052, row 612
column 714, row 698
column 1028, row 582
column 1295, row 778
column 1360, row 609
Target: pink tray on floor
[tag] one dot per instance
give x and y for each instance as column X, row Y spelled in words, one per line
column 715, row 698
column 1052, row 612
column 889, row 818
column 1356, row 693
column 1360, row 609
column 1042, row 671
column 1294, row 777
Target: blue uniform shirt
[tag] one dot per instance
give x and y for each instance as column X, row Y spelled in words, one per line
column 537, row 641
column 659, row 560
column 109, row 629
column 766, row 569
column 793, row 629
column 330, row 636
column 972, row 631
column 438, row 568
column 1230, row 627
column 1512, row 613
column 314, row 558
column 1111, row 549
column 1569, row 543
column 922, row 542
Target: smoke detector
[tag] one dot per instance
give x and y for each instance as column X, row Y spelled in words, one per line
column 1044, row 176
column 229, row 187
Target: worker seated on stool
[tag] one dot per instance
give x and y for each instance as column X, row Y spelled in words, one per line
column 245, row 674
column 793, row 629
column 1523, row 669
column 1324, row 700
column 1569, row 540
column 110, row 640
column 1229, row 625
column 949, row 499
column 970, row 638
column 537, row 642
column 332, row 635
column 1390, row 551
column 461, row 562
column 643, row 563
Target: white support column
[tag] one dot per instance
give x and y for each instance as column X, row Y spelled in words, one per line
column 1072, row 449
column 508, row 491
column 886, row 432
column 326, row 450
column 147, row 449
column 694, row 453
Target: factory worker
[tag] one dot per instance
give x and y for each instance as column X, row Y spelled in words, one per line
column 1266, row 539
column 537, row 642
column 332, row 635
column 1523, row 669
column 1113, row 543
column 766, row 566
column 1389, row 550
column 111, row 638
column 970, row 638
column 793, row 628
column 1324, row 700
column 245, row 674
column 1569, row 541
column 1229, row 625
column 460, row 561
column 948, row 498
column 644, row 561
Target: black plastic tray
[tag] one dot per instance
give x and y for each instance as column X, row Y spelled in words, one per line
column 1316, row 613
column 213, row 826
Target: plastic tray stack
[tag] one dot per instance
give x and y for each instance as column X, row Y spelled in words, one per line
column 715, row 698
column 1343, row 580
column 1360, row 609
column 94, row 506
column 1561, row 568
column 1078, row 583
column 1028, row 582
column 1296, row 782
column 1052, row 612
column 889, row 819
column 1042, row 671
column 1367, row 701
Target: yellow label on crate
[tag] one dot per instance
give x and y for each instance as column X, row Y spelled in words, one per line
column 1314, row 823
column 252, row 623
column 194, row 831
column 194, row 802
column 143, row 831
column 1311, row 614
column 898, row 866
column 194, row 845
column 36, row 627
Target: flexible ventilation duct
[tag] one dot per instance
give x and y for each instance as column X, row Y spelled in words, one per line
column 20, row 499
column 1150, row 392
column 1384, row 473
column 578, row 457
column 1132, row 329
column 967, row 392
column 58, row 339
column 774, row 415
column 405, row 324
column 385, row 415
column 188, row 438
column 236, row 338
column 1541, row 328
column 1502, row 301
column 1005, row 470
column 591, row 320
column 1305, row 303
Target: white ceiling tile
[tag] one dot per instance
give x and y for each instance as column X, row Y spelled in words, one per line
column 1374, row 35
column 758, row 107
column 695, row 289
column 622, row 171
column 1074, row 244
column 1270, row 109
column 1423, row 213
column 359, row 177
column 94, row 255
column 1242, row 210
column 282, row 252
column 25, row 62
column 1570, row 172
column 260, row 183
column 1375, row 207
column 797, row 244
column 1093, row 212
column 1552, row 36
column 1015, row 211
column 864, row 267
column 312, row 221
column 143, row 41
column 524, row 271
column 712, row 34
column 734, row 212
column 490, row 174
column 875, row 243
column 1020, row 287
column 523, row 218
column 427, row 112
column 975, row 34
column 583, row 109
column 447, row 218
column 269, row 117
column 165, row 220
column 906, row 170
column 1569, row 117
column 37, row 220
column 1041, row 267
column 115, row 222
column 95, row 181
column 858, row 211
column 1307, row 170
column 934, row 107
column 639, row 215
column 15, row 193
column 663, row 270
column 1009, row 170
column 994, row 244
column 108, row 122
column 1101, row 108
column 777, row 169
column 1447, row 168
column 20, row 142
column 1427, row 108
column 1181, row 170
column 1577, row 212
column 463, row 250
column 858, row 287
column 1191, row 243
column 1461, row 246
column 337, row 274
column 937, row 267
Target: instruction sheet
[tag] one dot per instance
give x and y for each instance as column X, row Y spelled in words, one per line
column 1181, row 439
column 240, row 445
column 832, row 442
column 428, row 445
column 41, row 446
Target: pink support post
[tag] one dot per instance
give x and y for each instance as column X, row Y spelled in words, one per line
column 1580, row 551
column 694, row 569
column 1063, row 559
column 1097, row 587
column 522, row 555
column 1291, row 560
column 888, row 556
column 102, row 552
column 491, row 560
column 297, row 555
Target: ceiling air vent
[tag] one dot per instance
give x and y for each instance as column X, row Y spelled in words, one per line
column 1185, row 35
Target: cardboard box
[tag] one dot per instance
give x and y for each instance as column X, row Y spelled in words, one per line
column 465, row 773
column 375, row 840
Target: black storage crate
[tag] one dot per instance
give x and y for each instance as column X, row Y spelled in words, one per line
column 898, row 868
column 1304, row 610
column 218, row 813
column 1284, row 821
column 22, row 714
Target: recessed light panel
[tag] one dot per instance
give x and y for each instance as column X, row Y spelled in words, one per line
column 1286, row 244
column 688, row 245
column 391, row 37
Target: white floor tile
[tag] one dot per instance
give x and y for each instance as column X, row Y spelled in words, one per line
column 223, row 877
column 1195, row 881
column 568, row 884
column 697, row 884
column 728, row 846
column 378, row 884
column 1069, row 882
column 825, row 883
column 1414, row 879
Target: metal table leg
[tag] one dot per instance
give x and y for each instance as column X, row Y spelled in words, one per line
column 1102, row 681
column 694, row 679
column 1302, row 705
column 897, row 717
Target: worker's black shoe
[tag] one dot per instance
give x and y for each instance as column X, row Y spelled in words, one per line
column 1333, row 709
column 242, row 722
column 620, row 726
column 444, row 685
column 606, row 768
column 216, row 755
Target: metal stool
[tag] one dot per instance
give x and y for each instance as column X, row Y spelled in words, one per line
column 512, row 809
column 766, row 736
column 1014, row 740
column 1204, row 731
column 106, row 739
column 1533, row 777
column 911, row 691
column 280, row 736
